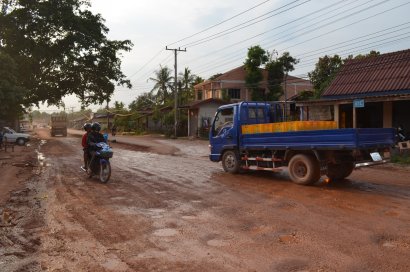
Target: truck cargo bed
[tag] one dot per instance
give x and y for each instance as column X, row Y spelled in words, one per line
column 320, row 139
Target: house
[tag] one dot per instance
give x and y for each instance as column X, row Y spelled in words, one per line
column 200, row 114
column 105, row 119
column 233, row 82
column 230, row 87
column 151, row 119
column 371, row 92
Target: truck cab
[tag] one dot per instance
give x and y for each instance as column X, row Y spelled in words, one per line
column 226, row 126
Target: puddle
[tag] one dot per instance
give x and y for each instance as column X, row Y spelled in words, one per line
column 40, row 156
column 165, row 232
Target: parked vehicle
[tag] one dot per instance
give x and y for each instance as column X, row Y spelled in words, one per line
column 100, row 164
column 401, row 134
column 14, row 137
column 247, row 136
column 58, row 125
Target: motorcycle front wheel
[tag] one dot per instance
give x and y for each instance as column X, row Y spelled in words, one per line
column 105, row 172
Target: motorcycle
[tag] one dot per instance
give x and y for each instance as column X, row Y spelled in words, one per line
column 401, row 135
column 99, row 164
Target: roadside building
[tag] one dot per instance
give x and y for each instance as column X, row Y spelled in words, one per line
column 105, row 119
column 372, row 92
column 230, row 87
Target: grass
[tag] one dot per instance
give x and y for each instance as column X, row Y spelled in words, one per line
column 403, row 158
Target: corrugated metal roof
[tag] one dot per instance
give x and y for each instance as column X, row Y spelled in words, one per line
column 385, row 73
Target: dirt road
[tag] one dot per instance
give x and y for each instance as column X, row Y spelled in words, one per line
column 180, row 212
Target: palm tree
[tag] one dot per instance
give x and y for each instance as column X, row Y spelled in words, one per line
column 163, row 82
column 187, row 80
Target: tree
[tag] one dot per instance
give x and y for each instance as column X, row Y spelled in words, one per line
column 255, row 58
column 163, row 82
column 61, row 48
column 187, row 80
column 371, row 54
column 215, row 76
column 11, row 93
column 143, row 101
column 325, row 70
column 327, row 67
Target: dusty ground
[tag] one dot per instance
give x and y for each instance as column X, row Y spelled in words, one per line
column 177, row 211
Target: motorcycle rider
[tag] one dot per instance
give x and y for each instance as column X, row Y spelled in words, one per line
column 87, row 128
column 93, row 138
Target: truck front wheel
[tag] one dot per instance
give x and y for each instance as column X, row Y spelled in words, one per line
column 304, row 169
column 230, row 162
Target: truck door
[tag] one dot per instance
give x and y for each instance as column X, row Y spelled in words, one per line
column 223, row 134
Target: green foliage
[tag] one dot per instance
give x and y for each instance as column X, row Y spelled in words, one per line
column 225, row 95
column 163, row 83
column 403, row 158
column 11, row 92
column 275, row 79
column 327, row 67
column 325, row 70
column 215, row 76
column 186, row 90
column 371, row 54
column 61, row 48
column 255, row 58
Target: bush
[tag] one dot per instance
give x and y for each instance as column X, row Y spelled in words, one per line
column 402, row 158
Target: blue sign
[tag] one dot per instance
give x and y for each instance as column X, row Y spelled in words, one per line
column 358, row 103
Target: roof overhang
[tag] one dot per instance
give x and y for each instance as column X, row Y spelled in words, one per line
column 348, row 99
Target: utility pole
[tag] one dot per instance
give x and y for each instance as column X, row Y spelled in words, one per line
column 176, row 50
column 108, row 114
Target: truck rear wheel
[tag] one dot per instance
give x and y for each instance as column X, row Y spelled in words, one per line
column 304, row 169
column 230, row 162
column 339, row 171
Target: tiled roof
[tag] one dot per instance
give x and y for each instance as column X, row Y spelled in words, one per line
column 387, row 73
column 197, row 103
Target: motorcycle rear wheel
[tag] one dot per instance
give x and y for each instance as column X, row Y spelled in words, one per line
column 105, row 172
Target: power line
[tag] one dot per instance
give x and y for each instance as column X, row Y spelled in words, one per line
column 220, row 23
column 235, row 28
column 315, row 24
column 334, row 29
column 148, row 62
column 280, row 26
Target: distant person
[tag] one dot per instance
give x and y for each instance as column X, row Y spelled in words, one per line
column 105, row 135
column 1, row 139
column 114, row 130
column 87, row 128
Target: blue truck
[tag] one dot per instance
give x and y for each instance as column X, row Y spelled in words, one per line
column 308, row 154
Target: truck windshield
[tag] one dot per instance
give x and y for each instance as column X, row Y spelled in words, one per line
column 223, row 118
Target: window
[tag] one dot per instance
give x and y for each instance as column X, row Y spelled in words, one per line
column 222, row 119
column 255, row 113
column 199, row 95
column 234, row 93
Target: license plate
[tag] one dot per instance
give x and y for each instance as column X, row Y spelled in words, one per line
column 376, row 156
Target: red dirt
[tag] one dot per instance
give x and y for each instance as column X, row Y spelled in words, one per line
column 180, row 212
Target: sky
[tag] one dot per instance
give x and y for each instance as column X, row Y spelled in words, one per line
column 216, row 34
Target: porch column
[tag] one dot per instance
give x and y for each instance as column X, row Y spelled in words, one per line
column 354, row 117
column 387, row 114
column 189, row 123
column 336, row 114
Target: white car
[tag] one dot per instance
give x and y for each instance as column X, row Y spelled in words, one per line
column 14, row 137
